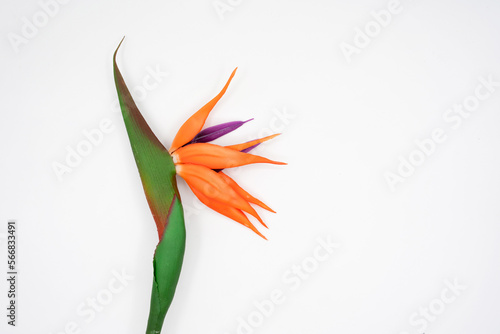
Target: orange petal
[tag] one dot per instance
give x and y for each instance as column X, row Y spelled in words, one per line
column 216, row 157
column 240, row 191
column 213, row 186
column 241, row 147
column 226, row 210
column 195, row 123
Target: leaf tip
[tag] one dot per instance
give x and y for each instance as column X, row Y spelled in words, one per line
column 116, row 51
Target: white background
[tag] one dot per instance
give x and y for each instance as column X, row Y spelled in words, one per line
column 347, row 125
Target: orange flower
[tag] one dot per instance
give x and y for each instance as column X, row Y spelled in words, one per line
column 200, row 164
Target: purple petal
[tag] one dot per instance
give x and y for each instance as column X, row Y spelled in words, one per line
column 216, row 131
column 248, row 149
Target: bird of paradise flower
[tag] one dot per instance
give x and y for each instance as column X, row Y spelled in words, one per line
column 200, row 164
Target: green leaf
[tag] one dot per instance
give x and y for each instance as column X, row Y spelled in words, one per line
column 157, row 173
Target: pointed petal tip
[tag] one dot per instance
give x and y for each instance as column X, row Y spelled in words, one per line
column 230, row 78
column 250, row 226
column 250, row 145
column 265, row 207
column 261, row 221
column 194, row 124
column 258, row 233
column 278, row 163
